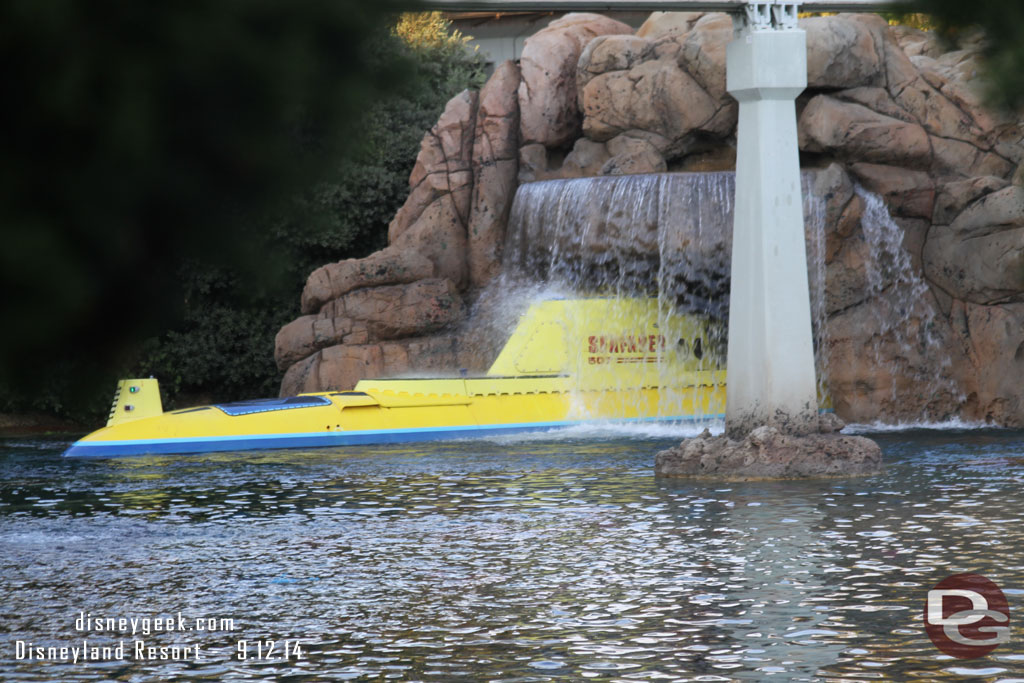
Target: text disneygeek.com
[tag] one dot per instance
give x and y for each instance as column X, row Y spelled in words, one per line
column 90, row 627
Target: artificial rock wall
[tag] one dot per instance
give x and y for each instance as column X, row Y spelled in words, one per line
column 885, row 109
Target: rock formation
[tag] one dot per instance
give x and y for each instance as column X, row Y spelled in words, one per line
column 886, row 111
column 769, row 453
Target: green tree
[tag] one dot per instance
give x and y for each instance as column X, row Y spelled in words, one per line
column 151, row 149
column 138, row 136
column 1002, row 23
column 224, row 349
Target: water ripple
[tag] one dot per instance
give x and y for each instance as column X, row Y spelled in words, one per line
column 521, row 561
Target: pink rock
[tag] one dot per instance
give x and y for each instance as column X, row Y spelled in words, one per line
column 703, row 54
column 388, row 266
column 877, row 365
column 549, row 114
column 586, row 159
column 399, row 311
column 495, row 169
column 439, row 236
column 371, row 314
column 444, row 162
column 980, row 257
column 852, row 131
column 654, row 96
column 907, row 193
column 996, row 341
column 668, row 24
column 842, row 53
column 632, row 155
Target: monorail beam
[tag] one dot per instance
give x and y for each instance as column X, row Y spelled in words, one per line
column 501, row 6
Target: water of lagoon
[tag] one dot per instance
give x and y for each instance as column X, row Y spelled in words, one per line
column 534, row 559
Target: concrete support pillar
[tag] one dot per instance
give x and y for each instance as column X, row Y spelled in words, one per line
column 771, row 354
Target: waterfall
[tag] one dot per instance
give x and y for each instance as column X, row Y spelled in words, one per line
column 665, row 236
column 668, row 237
column 903, row 312
column 814, row 230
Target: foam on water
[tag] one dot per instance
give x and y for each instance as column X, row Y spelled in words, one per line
column 39, row 445
column 953, row 424
column 689, row 430
column 606, row 430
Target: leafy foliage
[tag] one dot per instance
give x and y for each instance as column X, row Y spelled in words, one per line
column 140, row 135
column 219, row 354
column 1002, row 23
column 174, row 171
column 225, row 348
column 923, row 22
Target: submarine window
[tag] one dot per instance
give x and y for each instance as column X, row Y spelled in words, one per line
column 684, row 347
column 698, row 348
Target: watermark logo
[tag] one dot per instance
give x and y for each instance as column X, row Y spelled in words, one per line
column 967, row 616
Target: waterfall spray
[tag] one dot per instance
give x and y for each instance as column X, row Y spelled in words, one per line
column 664, row 236
column 903, row 311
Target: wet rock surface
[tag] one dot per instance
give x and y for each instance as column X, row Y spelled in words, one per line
column 769, row 452
column 920, row 308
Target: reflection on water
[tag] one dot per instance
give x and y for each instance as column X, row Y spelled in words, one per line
column 515, row 560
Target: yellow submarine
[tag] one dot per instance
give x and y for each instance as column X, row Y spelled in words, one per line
column 568, row 362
